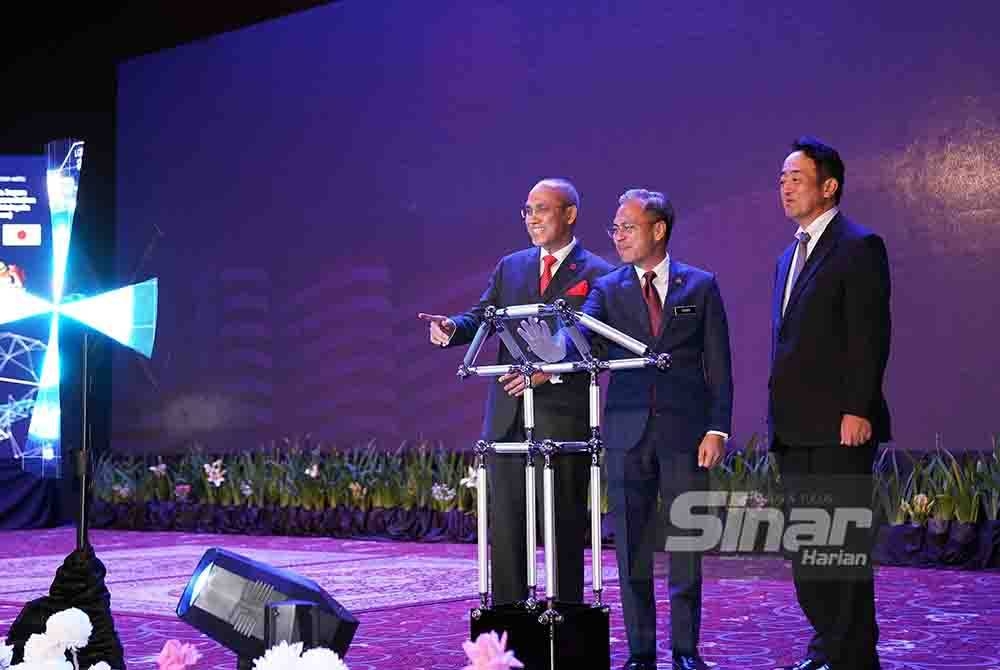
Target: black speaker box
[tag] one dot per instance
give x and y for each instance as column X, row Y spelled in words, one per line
column 578, row 638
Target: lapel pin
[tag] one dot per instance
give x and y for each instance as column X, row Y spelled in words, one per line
column 572, row 266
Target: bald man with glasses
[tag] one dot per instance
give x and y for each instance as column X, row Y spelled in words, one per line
column 556, row 266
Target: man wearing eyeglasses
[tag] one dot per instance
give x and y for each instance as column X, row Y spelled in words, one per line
column 663, row 430
column 556, row 266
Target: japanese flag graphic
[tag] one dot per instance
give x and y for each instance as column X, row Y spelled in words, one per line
column 22, row 234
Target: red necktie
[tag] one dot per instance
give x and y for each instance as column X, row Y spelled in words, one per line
column 653, row 304
column 546, row 279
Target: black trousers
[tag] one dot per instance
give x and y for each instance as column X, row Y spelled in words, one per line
column 834, row 581
column 508, row 533
column 664, row 464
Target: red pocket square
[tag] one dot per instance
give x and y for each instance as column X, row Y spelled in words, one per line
column 578, row 289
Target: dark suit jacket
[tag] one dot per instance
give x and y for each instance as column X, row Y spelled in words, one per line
column 561, row 410
column 696, row 393
column 829, row 351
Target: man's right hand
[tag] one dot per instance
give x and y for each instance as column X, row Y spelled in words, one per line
column 441, row 327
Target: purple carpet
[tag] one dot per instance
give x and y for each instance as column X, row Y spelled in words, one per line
column 413, row 600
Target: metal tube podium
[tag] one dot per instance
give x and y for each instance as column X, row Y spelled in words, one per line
column 550, row 616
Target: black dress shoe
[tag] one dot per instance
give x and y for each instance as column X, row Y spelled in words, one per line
column 633, row 664
column 807, row 664
column 686, row 662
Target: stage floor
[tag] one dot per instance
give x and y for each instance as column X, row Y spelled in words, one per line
column 413, row 600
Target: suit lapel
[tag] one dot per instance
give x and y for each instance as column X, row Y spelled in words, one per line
column 531, row 275
column 677, row 280
column 822, row 251
column 632, row 289
column 784, row 267
column 568, row 271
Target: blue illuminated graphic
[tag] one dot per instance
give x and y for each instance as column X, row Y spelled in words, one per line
column 18, row 356
column 128, row 315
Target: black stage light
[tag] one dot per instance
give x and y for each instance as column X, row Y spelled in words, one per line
column 248, row 607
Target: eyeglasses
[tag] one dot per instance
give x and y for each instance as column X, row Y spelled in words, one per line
column 626, row 229
column 538, row 210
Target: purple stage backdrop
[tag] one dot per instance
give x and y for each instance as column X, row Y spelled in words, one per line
column 304, row 187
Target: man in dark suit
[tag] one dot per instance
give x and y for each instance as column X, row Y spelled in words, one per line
column 662, row 430
column 557, row 266
column 830, row 346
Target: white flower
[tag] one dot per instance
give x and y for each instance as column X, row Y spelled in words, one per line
column 215, row 473
column 41, row 648
column 321, row 658
column 159, row 470
column 281, row 656
column 442, row 492
column 756, row 500
column 246, row 488
column 48, row 664
column 6, row 653
column 70, row 628
column 472, row 480
column 122, row 490
column 313, row 471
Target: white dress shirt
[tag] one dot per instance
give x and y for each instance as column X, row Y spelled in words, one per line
column 815, row 230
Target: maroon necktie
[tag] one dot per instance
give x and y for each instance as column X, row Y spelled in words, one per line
column 655, row 310
column 653, row 304
column 546, row 279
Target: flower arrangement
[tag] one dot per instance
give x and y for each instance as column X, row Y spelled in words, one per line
column 6, row 653
column 422, row 490
column 296, row 473
column 284, row 656
column 489, row 652
column 66, row 632
column 177, row 656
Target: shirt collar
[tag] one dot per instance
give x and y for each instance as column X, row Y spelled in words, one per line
column 660, row 269
column 562, row 253
column 819, row 224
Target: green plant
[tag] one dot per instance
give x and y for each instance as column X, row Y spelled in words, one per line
column 418, row 475
column 889, row 490
column 939, row 487
column 453, row 471
column 152, row 478
column 962, row 487
column 103, row 476
column 988, row 480
column 750, row 470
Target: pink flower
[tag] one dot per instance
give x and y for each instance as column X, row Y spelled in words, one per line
column 490, row 653
column 177, row 656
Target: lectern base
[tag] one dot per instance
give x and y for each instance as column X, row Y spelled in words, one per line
column 580, row 639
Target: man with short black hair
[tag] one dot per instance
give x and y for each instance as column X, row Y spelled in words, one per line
column 827, row 412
